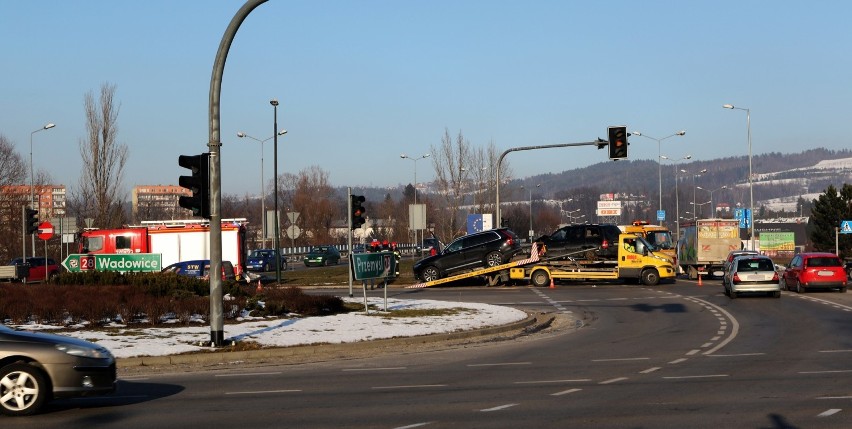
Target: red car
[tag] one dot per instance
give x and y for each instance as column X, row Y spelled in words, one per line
column 815, row 270
column 39, row 271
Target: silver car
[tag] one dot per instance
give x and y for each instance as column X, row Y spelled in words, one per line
column 751, row 274
column 36, row 368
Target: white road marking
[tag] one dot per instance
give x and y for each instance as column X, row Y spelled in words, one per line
column 650, row 370
column 741, row 354
column 499, row 364
column 620, row 359
column 247, row 374
column 835, row 351
column 416, row 425
column 613, row 380
column 676, row 361
column 565, row 392
column 260, row 392
column 390, row 368
column 695, row 376
column 840, row 371
column 498, row 408
column 827, row 413
column 412, row 386
column 579, row 380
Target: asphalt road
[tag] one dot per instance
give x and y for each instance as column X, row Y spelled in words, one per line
column 623, row 356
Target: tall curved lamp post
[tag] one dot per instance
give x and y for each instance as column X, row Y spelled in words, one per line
column 32, row 177
column 694, row 187
column 750, row 184
column 659, row 158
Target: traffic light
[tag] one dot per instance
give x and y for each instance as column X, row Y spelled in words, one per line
column 617, row 143
column 357, row 215
column 198, row 183
column 31, row 221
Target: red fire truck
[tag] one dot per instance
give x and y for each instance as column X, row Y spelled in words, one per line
column 175, row 240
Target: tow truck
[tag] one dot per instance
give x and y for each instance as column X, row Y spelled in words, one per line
column 637, row 259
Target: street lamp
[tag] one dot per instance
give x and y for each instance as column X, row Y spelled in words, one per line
column 659, row 157
column 677, row 196
column 262, row 187
column 711, row 191
column 277, row 239
column 693, row 184
column 32, row 177
column 531, row 224
column 750, row 184
column 697, row 208
column 570, row 214
column 415, row 159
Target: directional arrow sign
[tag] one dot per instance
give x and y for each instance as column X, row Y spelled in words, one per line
column 150, row 262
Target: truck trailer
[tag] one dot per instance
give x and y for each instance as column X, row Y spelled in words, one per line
column 705, row 243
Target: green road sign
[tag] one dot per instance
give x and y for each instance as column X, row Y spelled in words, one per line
column 122, row 262
column 367, row 266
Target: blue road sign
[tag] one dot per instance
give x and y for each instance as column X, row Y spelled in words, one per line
column 661, row 215
column 846, row 227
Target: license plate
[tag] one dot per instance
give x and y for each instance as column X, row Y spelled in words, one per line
column 824, row 273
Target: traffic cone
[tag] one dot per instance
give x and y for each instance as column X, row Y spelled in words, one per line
column 699, row 280
column 552, row 286
column 259, row 286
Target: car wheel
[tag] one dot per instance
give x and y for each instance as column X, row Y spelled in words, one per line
column 776, row 294
column 650, row 277
column 540, row 278
column 782, row 284
column 843, row 289
column 23, row 390
column 430, row 273
column 732, row 294
column 266, row 267
column 799, row 287
column 493, row 259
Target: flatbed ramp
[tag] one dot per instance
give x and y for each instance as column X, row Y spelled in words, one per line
column 482, row 272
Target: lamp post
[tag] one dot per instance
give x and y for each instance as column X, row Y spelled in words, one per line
column 659, row 157
column 32, row 177
column 750, row 184
column 570, row 214
column 277, row 239
column 262, row 187
column 711, row 191
column 693, row 185
column 530, row 199
column 677, row 196
column 415, row 159
column 697, row 208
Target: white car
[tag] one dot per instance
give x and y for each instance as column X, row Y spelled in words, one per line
column 751, row 274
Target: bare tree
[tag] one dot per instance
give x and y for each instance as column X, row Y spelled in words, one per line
column 13, row 171
column 310, row 194
column 451, row 162
column 104, row 159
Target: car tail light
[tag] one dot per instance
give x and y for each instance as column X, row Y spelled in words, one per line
column 775, row 277
column 736, row 279
column 605, row 244
column 509, row 241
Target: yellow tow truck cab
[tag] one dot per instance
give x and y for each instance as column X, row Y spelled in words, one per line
column 637, row 259
column 657, row 235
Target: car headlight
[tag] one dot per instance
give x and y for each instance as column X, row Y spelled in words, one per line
column 89, row 352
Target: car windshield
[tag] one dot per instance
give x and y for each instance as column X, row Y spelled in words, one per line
column 320, row 249
column 640, row 242
column 660, row 239
column 260, row 253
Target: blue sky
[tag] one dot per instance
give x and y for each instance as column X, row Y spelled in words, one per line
column 360, row 82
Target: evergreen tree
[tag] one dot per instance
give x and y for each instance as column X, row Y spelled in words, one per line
column 828, row 211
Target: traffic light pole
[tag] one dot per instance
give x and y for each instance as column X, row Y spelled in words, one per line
column 217, row 333
column 349, row 235
column 599, row 143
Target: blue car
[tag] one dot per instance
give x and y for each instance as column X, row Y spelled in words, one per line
column 264, row 260
column 200, row 269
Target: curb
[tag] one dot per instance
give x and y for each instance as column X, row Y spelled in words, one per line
column 324, row 351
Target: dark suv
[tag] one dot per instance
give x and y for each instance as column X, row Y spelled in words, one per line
column 583, row 241
column 481, row 249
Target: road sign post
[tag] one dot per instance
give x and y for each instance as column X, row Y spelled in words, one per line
column 368, row 266
column 121, row 262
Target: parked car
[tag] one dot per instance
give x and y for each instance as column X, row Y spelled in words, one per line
column 481, row 249
column 587, row 241
column 322, row 255
column 751, row 274
column 815, row 270
column 264, row 260
column 849, row 269
column 39, row 271
column 200, row 269
column 36, row 368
